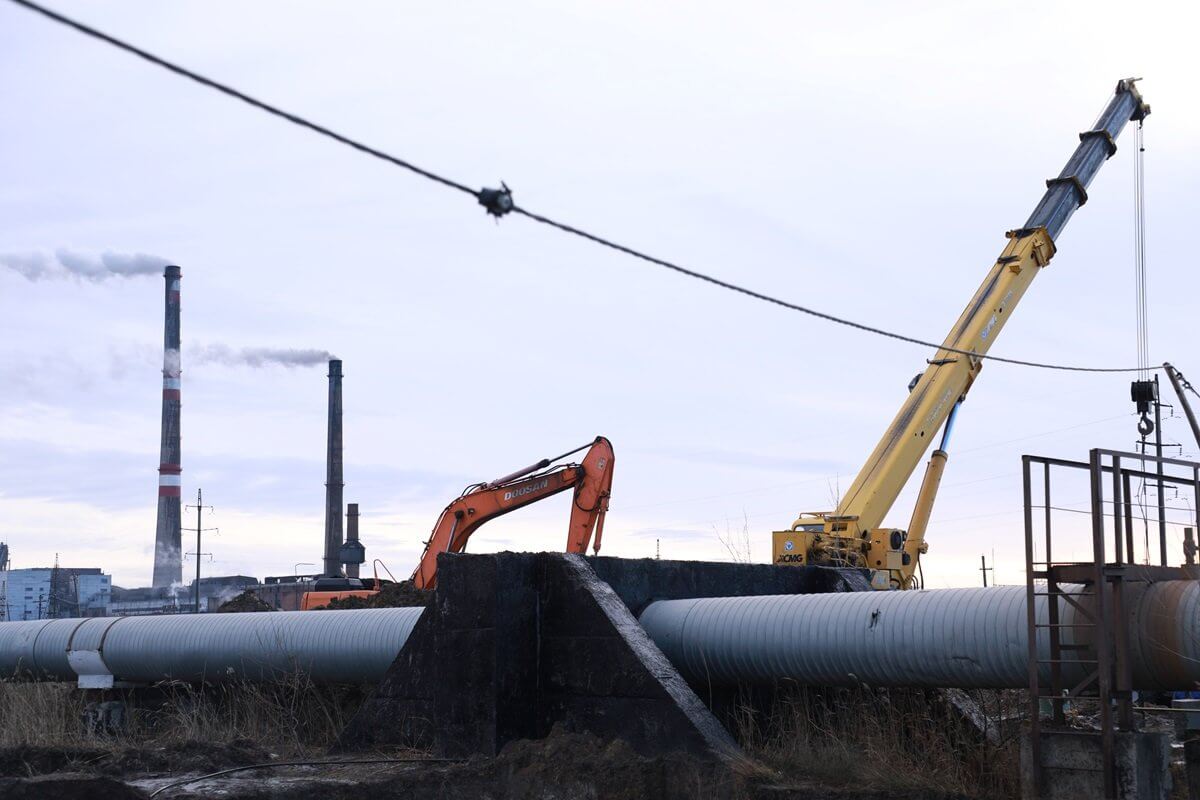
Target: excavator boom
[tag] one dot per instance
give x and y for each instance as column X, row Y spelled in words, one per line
column 591, row 480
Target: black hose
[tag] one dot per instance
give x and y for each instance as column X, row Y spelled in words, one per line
column 274, row 764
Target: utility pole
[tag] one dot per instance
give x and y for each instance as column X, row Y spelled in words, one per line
column 1162, row 501
column 984, row 569
column 199, row 529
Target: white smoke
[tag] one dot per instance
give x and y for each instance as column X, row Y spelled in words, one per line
column 257, row 357
column 67, row 264
column 171, row 363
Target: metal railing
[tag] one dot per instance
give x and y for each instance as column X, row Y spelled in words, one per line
column 1096, row 641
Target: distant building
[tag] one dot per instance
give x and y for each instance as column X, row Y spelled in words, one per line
column 285, row 592
column 54, row 592
column 178, row 599
column 148, row 600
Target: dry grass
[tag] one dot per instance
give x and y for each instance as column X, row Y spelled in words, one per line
column 290, row 717
column 887, row 740
column 41, row 715
column 896, row 740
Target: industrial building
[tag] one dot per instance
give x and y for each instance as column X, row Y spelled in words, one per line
column 53, row 593
column 178, row 599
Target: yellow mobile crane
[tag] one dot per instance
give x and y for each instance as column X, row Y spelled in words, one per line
column 853, row 534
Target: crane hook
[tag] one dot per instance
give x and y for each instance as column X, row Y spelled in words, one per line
column 1145, row 426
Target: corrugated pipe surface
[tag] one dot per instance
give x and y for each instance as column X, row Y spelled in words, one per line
column 329, row 646
column 969, row 638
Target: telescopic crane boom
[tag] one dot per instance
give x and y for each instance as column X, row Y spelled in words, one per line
column 591, row 479
column 852, row 534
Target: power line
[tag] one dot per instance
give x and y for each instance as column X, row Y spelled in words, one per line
column 499, row 202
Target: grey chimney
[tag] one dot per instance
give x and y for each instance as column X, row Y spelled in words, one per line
column 352, row 553
column 333, row 473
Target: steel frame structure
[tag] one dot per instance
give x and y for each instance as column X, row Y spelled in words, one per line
column 1105, row 622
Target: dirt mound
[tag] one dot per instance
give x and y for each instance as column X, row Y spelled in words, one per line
column 184, row 757
column 67, row 787
column 27, row 760
column 392, row 595
column 581, row 765
column 246, row 601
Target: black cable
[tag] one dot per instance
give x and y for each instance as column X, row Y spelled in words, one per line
column 274, row 764
column 499, row 202
column 803, row 309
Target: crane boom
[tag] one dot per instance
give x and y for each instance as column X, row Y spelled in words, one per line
column 852, row 533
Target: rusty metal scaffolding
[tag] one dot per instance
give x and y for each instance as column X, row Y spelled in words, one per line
column 1099, row 640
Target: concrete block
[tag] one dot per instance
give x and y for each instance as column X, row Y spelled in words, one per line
column 518, row 643
column 1073, row 766
column 1188, row 720
column 640, row 582
column 1191, row 767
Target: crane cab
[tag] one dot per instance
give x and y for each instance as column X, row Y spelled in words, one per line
column 826, row 540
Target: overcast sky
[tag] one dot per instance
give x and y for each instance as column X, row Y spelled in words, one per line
column 863, row 158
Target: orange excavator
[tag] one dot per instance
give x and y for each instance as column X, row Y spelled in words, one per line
column 591, row 480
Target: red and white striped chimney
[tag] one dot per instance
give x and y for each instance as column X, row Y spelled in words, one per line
column 168, row 562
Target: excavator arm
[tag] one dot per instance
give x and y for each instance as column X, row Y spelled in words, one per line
column 852, row 535
column 591, row 480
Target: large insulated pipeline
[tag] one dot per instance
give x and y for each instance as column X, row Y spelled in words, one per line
column 968, row 638
column 327, row 646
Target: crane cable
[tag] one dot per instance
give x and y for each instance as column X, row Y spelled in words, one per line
column 499, row 202
column 1142, row 319
column 1139, row 255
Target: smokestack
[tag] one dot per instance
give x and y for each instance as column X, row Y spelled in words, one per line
column 352, row 551
column 333, row 473
column 168, row 564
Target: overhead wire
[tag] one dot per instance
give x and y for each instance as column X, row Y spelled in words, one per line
column 499, row 202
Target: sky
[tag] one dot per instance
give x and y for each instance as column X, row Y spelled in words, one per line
column 863, row 158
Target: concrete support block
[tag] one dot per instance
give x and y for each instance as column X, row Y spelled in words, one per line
column 518, row 643
column 1191, row 767
column 1073, row 766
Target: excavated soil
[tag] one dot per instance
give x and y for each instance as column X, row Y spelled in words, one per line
column 244, row 602
column 392, row 595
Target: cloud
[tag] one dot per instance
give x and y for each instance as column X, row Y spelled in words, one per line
column 757, row 461
column 674, row 534
column 118, row 480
